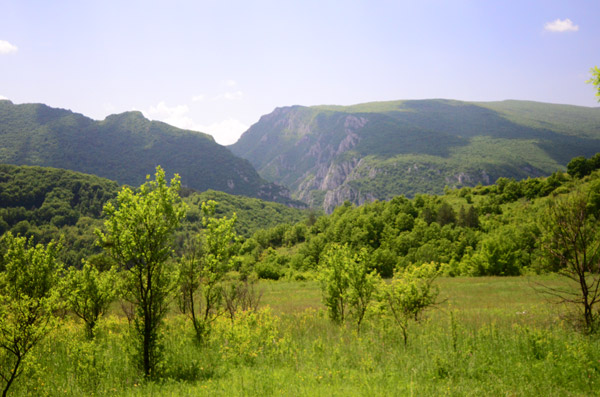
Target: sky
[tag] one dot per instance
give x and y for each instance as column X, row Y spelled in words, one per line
column 217, row 66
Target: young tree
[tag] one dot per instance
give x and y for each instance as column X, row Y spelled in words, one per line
column 88, row 293
column 333, row 275
column 203, row 269
column 139, row 233
column 347, row 284
column 572, row 238
column 410, row 292
column 27, row 301
column 362, row 284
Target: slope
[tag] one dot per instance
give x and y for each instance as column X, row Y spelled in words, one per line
column 329, row 154
column 125, row 147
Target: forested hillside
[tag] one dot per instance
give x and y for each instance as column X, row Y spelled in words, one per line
column 46, row 203
column 330, row 154
column 125, row 147
column 481, row 231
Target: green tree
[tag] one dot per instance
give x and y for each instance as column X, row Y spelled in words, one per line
column 572, row 237
column 579, row 167
column 203, row 268
column 27, row 301
column 139, row 234
column 88, row 293
column 445, row 214
column 411, row 291
column 362, row 284
column 334, row 279
column 347, row 284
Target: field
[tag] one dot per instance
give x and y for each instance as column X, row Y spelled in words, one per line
column 489, row 336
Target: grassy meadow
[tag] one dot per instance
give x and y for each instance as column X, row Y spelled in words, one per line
column 492, row 336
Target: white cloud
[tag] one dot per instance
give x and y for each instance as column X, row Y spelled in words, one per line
column 224, row 132
column 6, row 47
column 560, row 26
column 230, row 83
column 175, row 115
column 198, row 98
column 230, row 96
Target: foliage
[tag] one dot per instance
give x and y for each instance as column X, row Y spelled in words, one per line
column 47, row 203
column 138, row 237
column 579, row 166
column 88, row 293
column 572, row 237
column 410, row 292
column 204, row 267
column 347, row 284
column 595, row 79
column 28, row 300
column 33, row 199
column 252, row 214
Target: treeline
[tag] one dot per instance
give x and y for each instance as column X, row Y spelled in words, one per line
column 480, row 231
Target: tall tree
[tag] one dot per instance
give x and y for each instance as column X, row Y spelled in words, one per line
column 139, row 233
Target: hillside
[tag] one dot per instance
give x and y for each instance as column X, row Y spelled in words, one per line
column 329, row 154
column 46, row 203
column 125, row 147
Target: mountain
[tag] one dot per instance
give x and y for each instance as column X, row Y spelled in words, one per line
column 125, row 147
column 329, row 154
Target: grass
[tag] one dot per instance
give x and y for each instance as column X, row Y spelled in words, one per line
column 491, row 336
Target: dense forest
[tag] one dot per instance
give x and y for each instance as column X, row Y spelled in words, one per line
column 479, row 231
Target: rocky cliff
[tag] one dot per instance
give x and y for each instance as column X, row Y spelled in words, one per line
column 329, row 154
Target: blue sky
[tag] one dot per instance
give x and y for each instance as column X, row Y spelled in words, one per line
column 218, row 65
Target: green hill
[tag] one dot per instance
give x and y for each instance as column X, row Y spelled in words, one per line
column 46, row 203
column 125, row 147
column 330, row 154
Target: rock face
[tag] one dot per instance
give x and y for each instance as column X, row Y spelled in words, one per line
column 329, row 154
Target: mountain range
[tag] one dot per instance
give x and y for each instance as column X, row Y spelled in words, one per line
column 330, row 154
column 324, row 155
column 125, row 147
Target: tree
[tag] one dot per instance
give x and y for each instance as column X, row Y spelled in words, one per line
column 204, row 266
column 334, row 280
column 468, row 218
column 410, row 292
column 88, row 293
column 139, row 234
column 347, row 284
column 571, row 237
column 27, row 301
column 445, row 214
column 579, row 167
column 595, row 80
